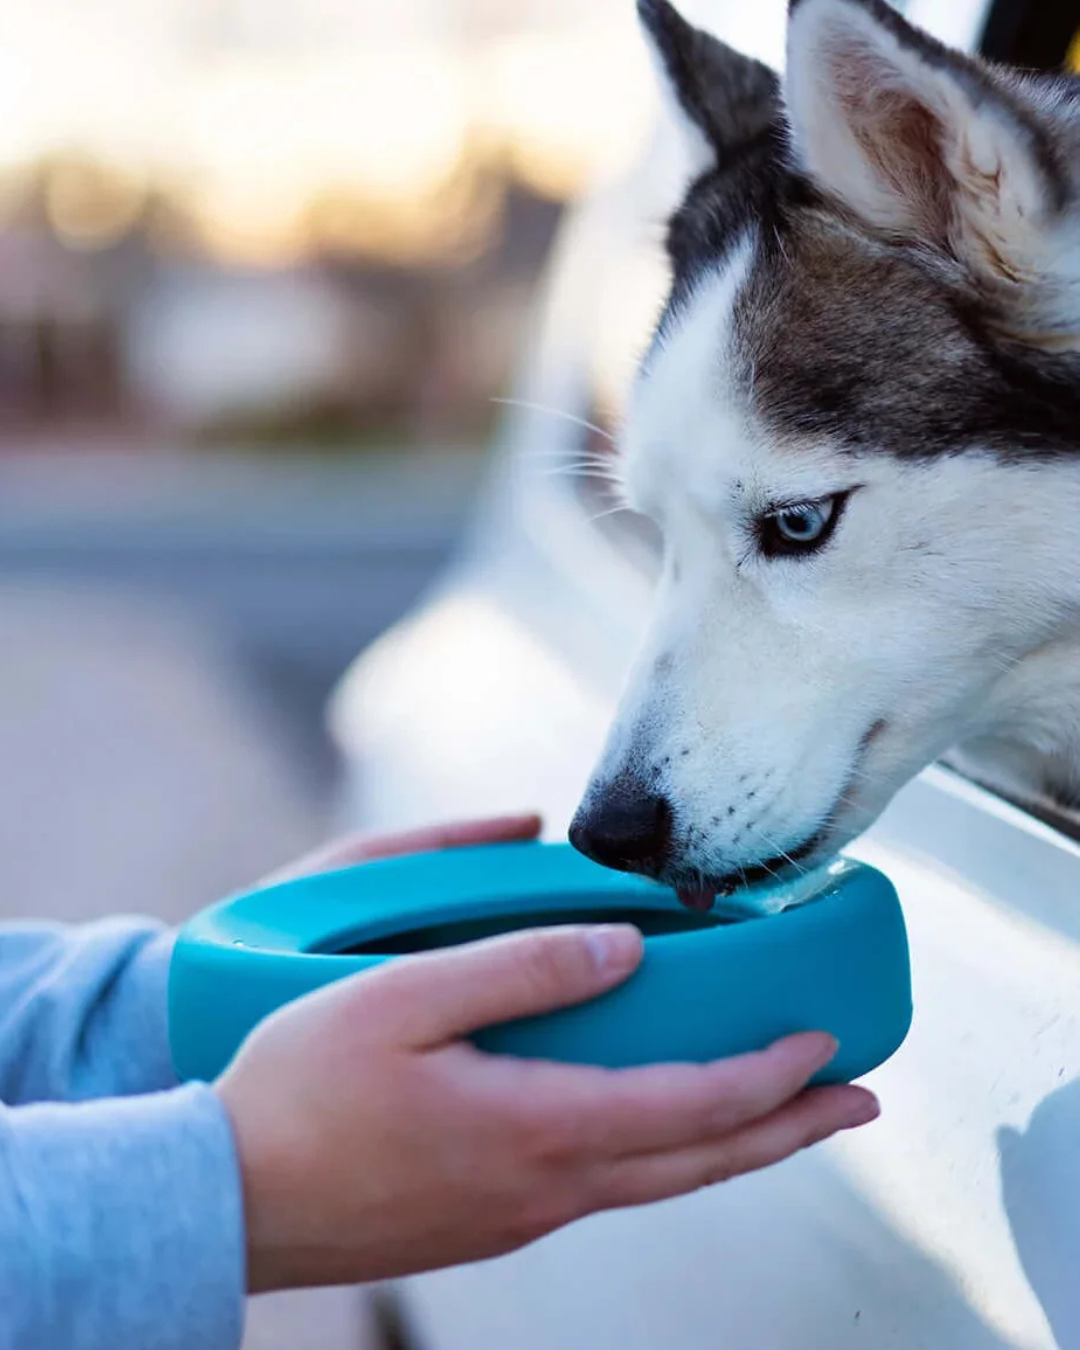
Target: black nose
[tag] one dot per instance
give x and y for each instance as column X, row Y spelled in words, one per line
column 625, row 826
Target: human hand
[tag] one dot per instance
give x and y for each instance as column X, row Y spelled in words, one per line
column 374, row 1141
column 360, row 848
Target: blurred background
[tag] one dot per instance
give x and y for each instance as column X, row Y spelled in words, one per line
column 268, row 269
column 264, row 266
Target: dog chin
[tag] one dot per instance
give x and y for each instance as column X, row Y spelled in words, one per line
column 700, row 885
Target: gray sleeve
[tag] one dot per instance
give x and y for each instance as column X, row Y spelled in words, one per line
column 83, row 1010
column 121, row 1225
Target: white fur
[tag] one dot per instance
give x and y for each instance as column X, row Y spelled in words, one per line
column 947, row 606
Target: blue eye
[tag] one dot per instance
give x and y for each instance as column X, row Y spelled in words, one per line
column 802, row 528
column 803, row 524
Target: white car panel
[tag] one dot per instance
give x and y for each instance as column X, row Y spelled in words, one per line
column 953, row 1223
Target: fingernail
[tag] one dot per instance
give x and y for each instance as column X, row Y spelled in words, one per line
column 867, row 1109
column 614, row 947
column 829, row 1047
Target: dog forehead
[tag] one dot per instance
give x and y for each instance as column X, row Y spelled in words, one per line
column 786, row 351
column 853, row 342
column 694, row 431
column 688, row 422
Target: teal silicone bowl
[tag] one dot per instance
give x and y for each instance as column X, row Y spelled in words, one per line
column 829, row 956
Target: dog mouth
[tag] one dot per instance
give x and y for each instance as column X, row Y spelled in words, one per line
column 637, row 836
column 700, row 893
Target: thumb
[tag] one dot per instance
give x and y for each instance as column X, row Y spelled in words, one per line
column 441, row 996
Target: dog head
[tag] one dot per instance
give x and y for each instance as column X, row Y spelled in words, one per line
column 856, row 427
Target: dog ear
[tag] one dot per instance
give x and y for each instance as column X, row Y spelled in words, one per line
column 918, row 140
column 723, row 99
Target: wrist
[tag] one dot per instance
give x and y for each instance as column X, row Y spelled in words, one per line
column 272, row 1204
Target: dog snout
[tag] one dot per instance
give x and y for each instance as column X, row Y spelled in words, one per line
column 624, row 825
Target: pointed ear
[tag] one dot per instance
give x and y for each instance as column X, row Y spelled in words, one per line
column 918, row 140
column 723, row 98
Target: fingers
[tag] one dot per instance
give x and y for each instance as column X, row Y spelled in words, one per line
column 671, row 1106
column 813, row 1116
column 457, row 834
column 360, row 848
column 439, row 997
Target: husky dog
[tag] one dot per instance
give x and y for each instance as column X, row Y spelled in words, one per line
column 858, row 428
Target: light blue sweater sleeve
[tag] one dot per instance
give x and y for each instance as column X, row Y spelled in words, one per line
column 121, row 1219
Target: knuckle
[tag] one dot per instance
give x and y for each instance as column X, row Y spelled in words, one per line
column 596, row 1138
column 532, row 1217
column 602, row 1188
column 376, row 999
column 544, row 1143
column 382, row 983
column 716, row 1171
column 550, row 964
column 517, row 1231
column 818, row 1134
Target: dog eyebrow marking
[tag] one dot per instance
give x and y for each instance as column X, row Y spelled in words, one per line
column 856, row 342
column 842, row 335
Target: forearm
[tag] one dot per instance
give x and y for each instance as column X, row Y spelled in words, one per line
column 121, row 1225
column 83, row 1010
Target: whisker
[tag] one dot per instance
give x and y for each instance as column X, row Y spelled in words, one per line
column 556, row 412
column 584, row 465
column 860, row 775
column 771, row 871
column 610, row 486
column 598, row 466
column 612, row 511
column 1006, row 664
column 598, row 456
column 778, row 852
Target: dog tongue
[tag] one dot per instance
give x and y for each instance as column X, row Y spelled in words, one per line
column 701, row 898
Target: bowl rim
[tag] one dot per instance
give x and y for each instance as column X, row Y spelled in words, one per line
column 306, row 917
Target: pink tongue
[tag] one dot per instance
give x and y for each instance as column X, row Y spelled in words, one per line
column 701, row 898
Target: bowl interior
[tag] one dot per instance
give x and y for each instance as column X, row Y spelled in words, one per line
column 653, row 922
